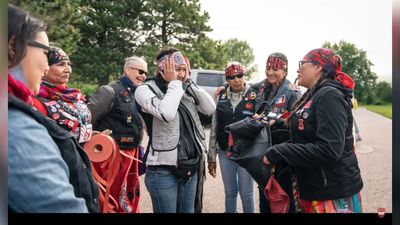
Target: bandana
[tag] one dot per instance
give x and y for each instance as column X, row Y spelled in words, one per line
column 234, row 69
column 60, row 92
column 178, row 58
column 275, row 62
column 56, row 56
column 331, row 63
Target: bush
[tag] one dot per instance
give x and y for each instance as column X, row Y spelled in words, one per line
column 86, row 89
column 370, row 99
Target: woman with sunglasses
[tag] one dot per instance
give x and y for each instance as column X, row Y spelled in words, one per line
column 43, row 159
column 114, row 108
column 63, row 104
column 234, row 103
column 322, row 147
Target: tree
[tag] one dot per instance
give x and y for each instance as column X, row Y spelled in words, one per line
column 240, row 51
column 206, row 53
column 62, row 18
column 383, row 92
column 356, row 64
column 171, row 22
column 108, row 36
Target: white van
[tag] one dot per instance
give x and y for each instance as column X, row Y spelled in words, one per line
column 209, row 80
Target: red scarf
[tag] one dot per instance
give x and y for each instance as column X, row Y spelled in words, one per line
column 60, row 92
column 19, row 90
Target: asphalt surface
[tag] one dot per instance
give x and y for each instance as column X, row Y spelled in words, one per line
column 374, row 154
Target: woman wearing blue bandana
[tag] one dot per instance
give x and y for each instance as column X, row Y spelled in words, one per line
column 170, row 103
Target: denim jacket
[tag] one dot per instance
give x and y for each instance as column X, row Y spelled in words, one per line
column 38, row 177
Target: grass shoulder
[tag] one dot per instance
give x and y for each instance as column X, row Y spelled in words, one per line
column 384, row 110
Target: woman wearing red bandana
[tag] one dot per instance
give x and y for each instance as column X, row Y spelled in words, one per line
column 275, row 98
column 63, row 104
column 322, row 150
column 47, row 170
column 235, row 103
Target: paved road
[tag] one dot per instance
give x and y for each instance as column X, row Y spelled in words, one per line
column 375, row 159
column 374, row 154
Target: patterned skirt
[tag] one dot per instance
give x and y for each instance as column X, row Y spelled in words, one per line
column 350, row 204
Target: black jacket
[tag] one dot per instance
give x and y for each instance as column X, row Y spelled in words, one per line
column 75, row 157
column 322, row 148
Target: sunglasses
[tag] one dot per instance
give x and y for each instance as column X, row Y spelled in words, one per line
column 42, row 46
column 141, row 72
column 232, row 77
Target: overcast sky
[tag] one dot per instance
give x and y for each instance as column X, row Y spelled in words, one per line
column 295, row 27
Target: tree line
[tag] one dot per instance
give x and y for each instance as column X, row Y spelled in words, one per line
column 99, row 34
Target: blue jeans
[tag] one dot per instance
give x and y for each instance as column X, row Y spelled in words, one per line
column 170, row 194
column 236, row 179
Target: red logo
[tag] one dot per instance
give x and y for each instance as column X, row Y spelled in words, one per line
column 249, row 105
column 381, row 212
column 56, row 116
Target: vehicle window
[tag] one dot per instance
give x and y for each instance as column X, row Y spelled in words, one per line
column 209, row 79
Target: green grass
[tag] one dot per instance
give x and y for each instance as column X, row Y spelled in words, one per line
column 384, row 110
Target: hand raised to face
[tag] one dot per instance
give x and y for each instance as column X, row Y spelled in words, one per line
column 169, row 73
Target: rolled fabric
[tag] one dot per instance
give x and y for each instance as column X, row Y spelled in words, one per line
column 100, row 148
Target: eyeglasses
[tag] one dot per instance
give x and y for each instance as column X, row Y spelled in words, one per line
column 141, row 72
column 42, row 46
column 302, row 62
column 232, row 77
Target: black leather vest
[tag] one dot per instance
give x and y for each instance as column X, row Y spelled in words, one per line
column 124, row 119
column 226, row 115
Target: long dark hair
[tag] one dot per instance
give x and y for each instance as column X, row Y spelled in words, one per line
column 22, row 27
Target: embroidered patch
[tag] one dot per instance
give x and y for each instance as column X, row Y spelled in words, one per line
column 249, row 105
column 56, row 116
column 252, row 95
column 50, row 103
column 53, row 109
column 124, row 93
column 305, row 115
column 223, row 96
column 307, row 105
column 281, row 101
column 85, row 133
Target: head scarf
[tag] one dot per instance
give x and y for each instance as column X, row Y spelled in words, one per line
column 234, row 69
column 178, row 58
column 57, row 55
column 331, row 64
column 277, row 60
column 60, row 92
